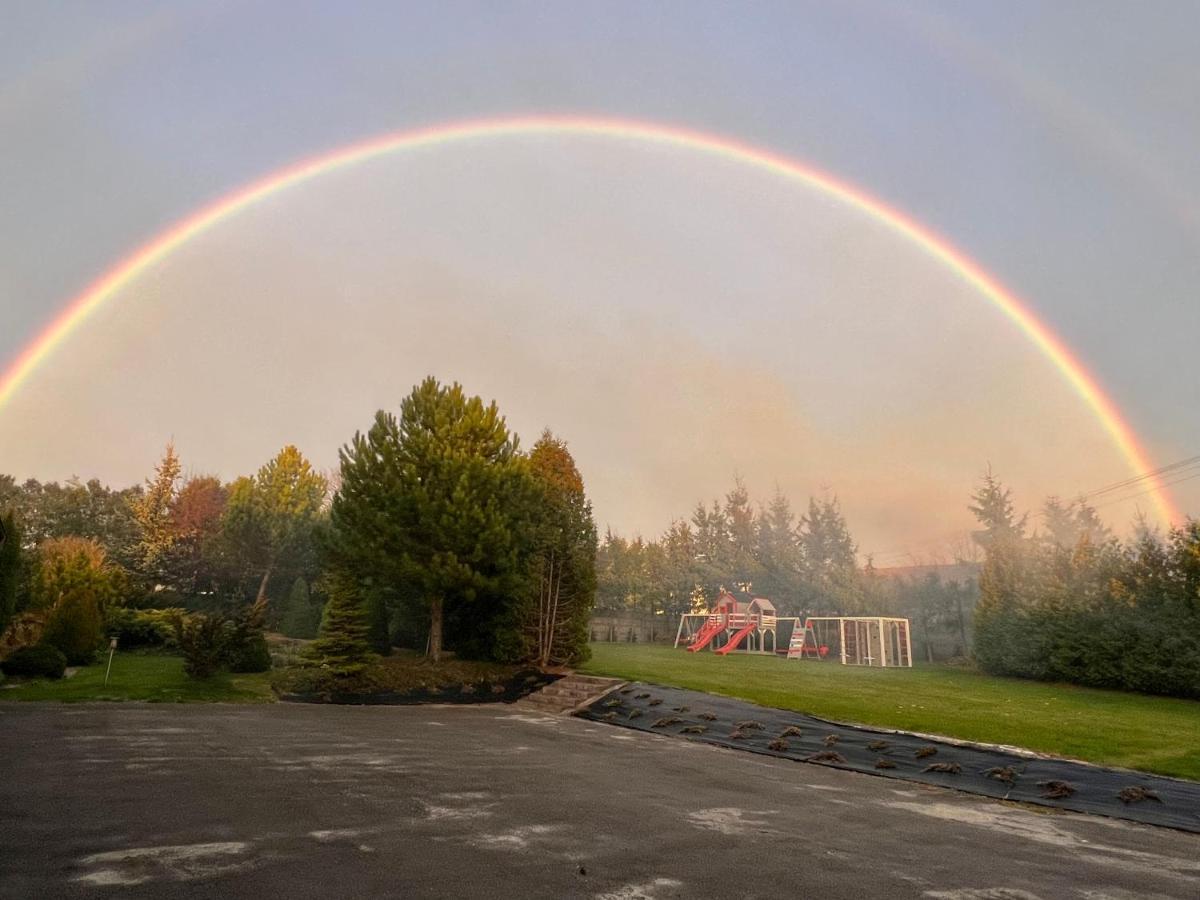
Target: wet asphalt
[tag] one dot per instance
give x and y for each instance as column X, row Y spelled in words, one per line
column 143, row 800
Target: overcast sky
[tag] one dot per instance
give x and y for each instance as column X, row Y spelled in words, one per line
column 677, row 319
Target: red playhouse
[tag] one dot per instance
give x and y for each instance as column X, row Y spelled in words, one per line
column 745, row 623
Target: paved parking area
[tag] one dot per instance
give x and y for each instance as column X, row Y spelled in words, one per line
column 311, row 801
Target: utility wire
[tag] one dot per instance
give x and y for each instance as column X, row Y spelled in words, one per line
column 1172, row 468
column 1148, row 490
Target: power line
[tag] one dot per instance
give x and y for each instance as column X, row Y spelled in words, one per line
column 1173, row 468
column 1148, row 490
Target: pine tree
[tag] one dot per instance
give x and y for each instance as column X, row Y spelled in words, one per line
column 437, row 501
column 342, row 647
column 993, row 508
column 10, row 567
column 301, row 617
column 152, row 511
column 829, row 555
column 379, row 632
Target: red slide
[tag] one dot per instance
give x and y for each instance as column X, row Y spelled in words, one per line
column 710, row 630
column 737, row 638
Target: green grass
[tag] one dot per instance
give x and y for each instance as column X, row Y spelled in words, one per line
column 1154, row 734
column 138, row 676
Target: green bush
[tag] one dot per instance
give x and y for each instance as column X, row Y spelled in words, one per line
column 301, row 615
column 246, row 650
column 141, row 627
column 39, row 661
column 75, row 626
column 250, row 655
column 203, row 638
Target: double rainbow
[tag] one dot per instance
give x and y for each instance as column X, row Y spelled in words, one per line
column 127, row 270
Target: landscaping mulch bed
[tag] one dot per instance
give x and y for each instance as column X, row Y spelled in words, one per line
column 1057, row 783
column 406, row 682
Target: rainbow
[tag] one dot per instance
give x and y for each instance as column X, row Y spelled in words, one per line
column 196, row 224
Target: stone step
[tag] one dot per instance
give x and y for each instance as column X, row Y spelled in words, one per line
column 569, row 693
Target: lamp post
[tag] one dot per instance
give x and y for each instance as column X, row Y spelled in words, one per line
column 112, row 647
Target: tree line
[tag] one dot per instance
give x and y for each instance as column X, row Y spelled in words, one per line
column 1068, row 601
column 441, row 532
column 807, row 564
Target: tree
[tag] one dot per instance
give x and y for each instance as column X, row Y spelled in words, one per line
column 342, row 646
column 439, row 501
column 76, row 625
column 992, row 506
column 301, row 616
column 379, row 632
column 779, row 554
column 10, row 567
column 1006, row 640
column 192, row 565
column 74, row 509
column 270, row 518
column 152, row 511
column 564, row 555
column 829, row 555
column 65, row 565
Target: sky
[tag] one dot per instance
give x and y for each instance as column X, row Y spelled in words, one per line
column 679, row 320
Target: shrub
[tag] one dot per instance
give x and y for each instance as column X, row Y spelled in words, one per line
column 203, row 638
column 246, row 650
column 65, row 564
column 39, row 661
column 75, row 626
column 301, row 616
column 250, row 655
column 141, row 627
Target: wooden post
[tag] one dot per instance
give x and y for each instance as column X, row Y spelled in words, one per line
column 842, row 638
column 882, row 646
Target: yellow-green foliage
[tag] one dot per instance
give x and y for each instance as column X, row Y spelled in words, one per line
column 67, row 564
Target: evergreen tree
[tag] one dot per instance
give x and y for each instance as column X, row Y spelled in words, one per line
column 829, row 555
column 438, row 501
column 301, row 617
column 342, row 646
column 741, row 561
column 1058, row 520
column 779, row 554
column 379, row 632
column 10, row 567
column 992, row 506
column 75, row 625
column 152, row 511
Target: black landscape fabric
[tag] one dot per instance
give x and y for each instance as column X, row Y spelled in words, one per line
column 1062, row 784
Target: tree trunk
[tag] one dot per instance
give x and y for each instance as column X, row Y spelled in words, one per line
column 262, row 586
column 962, row 622
column 556, row 588
column 435, row 629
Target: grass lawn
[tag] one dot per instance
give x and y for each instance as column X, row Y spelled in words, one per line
column 137, row 676
column 1154, row 734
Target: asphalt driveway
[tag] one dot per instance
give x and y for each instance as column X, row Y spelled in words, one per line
column 315, row 801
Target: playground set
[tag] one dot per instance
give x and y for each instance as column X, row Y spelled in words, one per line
column 750, row 625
